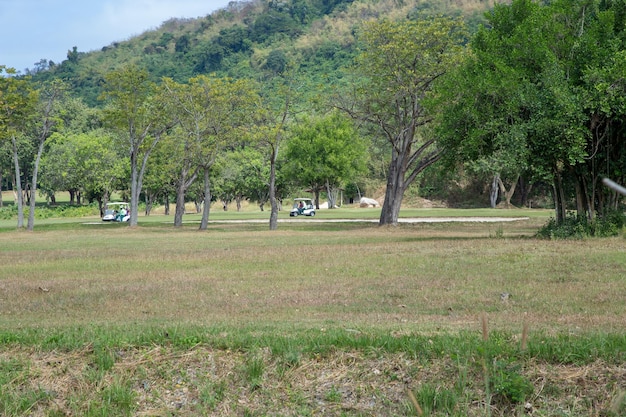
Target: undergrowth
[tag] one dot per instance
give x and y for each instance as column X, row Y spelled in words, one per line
column 579, row 227
column 197, row 371
column 47, row 212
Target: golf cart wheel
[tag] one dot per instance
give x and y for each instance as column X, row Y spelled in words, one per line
column 312, row 214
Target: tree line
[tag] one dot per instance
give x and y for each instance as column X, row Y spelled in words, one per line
column 211, row 137
column 535, row 96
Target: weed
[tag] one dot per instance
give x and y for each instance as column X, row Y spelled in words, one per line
column 211, row 394
column 437, row 399
column 104, row 358
column 118, row 398
column 333, row 395
column 254, row 369
column 498, row 233
column 508, row 385
column 21, row 401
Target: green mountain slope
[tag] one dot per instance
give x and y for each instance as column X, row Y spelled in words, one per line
column 248, row 39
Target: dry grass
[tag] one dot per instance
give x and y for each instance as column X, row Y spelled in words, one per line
column 417, row 277
column 205, row 381
column 412, row 279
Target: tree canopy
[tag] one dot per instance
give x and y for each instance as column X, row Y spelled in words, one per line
column 399, row 65
column 530, row 98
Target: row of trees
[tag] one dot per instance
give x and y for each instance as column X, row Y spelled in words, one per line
column 216, row 131
column 538, row 94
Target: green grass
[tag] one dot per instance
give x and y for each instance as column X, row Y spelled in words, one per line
column 251, row 212
column 107, row 320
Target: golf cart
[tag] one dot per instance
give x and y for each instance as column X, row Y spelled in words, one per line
column 116, row 212
column 302, row 207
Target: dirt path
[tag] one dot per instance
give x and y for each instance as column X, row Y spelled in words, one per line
column 401, row 220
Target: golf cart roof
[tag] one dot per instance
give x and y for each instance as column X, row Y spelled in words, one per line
column 117, row 203
column 302, row 199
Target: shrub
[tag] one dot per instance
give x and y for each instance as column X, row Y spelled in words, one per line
column 579, row 227
column 62, row 211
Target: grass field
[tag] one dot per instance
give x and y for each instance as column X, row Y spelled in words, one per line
column 316, row 318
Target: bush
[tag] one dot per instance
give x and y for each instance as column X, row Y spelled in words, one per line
column 579, row 227
column 64, row 211
column 8, row 212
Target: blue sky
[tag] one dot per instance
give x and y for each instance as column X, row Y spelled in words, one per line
column 31, row 30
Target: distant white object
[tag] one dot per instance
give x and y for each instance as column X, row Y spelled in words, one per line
column 368, row 202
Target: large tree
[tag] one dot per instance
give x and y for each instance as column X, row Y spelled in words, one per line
column 46, row 118
column 85, row 164
column 135, row 110
column 547, row 82
column 211, row 112
column 277, row 113
column 325, row 153
column 17, row 103
column 399, row 64
column 27, row 117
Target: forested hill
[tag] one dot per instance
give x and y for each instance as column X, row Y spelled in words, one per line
column 248, row 38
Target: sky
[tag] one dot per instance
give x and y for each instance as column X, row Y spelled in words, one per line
column 32, row 30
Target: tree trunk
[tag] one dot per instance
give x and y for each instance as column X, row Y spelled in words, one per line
column 207, row 199
column 394, row 192
column 317, row 198
column 149, row 199
column 167, row 204
column 559, row 199
column 179, row 211
column 493, row 195
column 18, row 186
column 508, row 194
column 33, row 188
column 135, row 190
column 181, row 190
column 332, row 194
column 1, row 202
column 273, row 203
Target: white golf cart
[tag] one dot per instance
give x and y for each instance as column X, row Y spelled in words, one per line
column 302, row 207
column 116, row 212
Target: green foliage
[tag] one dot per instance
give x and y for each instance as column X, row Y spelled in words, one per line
column 333, row 395
column 580, row 227
column 116, row 399
column 435, row 399
column 16, row 398
column 529, row 91
column 254, row 368
column 211, row 394
column 9, row 212
column 543, row 84
column 508, row 385
column 104, row 358
column 325, row 151
column 400, row 63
